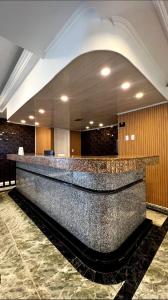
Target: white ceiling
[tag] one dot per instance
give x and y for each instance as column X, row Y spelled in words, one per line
column 33, row 25
column 9, row 55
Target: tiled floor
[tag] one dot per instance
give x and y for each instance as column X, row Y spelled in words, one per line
column 32, row 268
column 155, row 282
column 156, row 217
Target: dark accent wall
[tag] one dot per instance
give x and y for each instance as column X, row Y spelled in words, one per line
column 11, row 137
column 100, row 141
column 14, row 135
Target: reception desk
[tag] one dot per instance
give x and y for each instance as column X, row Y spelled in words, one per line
column 99, row 201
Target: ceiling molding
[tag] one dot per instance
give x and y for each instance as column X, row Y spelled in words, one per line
column 136, row 109
column 126, row 26
column 24, row 65
column 75, row 17
column 162, row 14
column 85, row 33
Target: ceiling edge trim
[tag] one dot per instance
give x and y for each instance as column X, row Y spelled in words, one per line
column 126, row 25
column 141, row 108
column 80, row 11
column 162, row 14
column 24, row 65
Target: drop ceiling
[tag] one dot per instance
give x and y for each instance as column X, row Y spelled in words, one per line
column 91, row 96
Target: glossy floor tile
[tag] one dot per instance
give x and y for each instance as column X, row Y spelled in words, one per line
column 156, row 217
column 32, row 268
column 155, row 282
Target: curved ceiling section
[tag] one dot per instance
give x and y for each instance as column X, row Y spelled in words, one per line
column 88, row 32
column 90, row 91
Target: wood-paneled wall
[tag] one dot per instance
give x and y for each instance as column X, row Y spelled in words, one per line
column 44, row 139
column 75, row 143
column 150, row 127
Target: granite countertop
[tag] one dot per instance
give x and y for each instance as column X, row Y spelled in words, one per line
column 93, row 164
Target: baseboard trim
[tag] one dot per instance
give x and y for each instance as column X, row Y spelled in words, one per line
column 157, row 208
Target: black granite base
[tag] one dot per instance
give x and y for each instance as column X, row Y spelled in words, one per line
column 95, row 262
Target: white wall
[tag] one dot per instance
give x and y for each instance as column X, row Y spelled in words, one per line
column 61, row 142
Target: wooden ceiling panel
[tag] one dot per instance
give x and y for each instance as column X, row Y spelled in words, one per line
column 91, row 97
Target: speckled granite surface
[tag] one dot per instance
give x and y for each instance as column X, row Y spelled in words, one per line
column 88, row 180
column 102, row 222
column 89, row 164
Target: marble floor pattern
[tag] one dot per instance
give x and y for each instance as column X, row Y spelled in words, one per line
column 156, row 217
column 32, row 268
column 155, row 282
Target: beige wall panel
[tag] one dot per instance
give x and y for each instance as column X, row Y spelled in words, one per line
column 75, row 143
column 43, row 139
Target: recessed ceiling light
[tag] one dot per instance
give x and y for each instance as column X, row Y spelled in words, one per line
column 41, row 111
column 64, row 98
column 91, row 122
column 139, row 95
column 105, row 71
column 23, row 121
column 125, row 85
column 87, row 127
column 31, row 117
column 36, row 123
column 100, row 124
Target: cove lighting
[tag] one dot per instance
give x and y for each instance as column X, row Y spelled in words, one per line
column 64, row 98
column 105, row 71
column 125, row 85
column 31, row 117
column 139, row 95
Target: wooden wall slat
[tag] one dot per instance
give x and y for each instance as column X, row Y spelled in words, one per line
column 150, row 127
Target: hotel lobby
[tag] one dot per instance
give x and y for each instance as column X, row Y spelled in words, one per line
column 83, row 149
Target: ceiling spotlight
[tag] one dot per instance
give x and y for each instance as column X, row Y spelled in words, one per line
column 36, row 123
column 41, row 111
column 125, row 85
column 87, row 127
column 105, row 71
column 91, row 122
column 31, row 117
column 64, row 98
column 139, row 95
column 23, row 121
column 100, row 124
